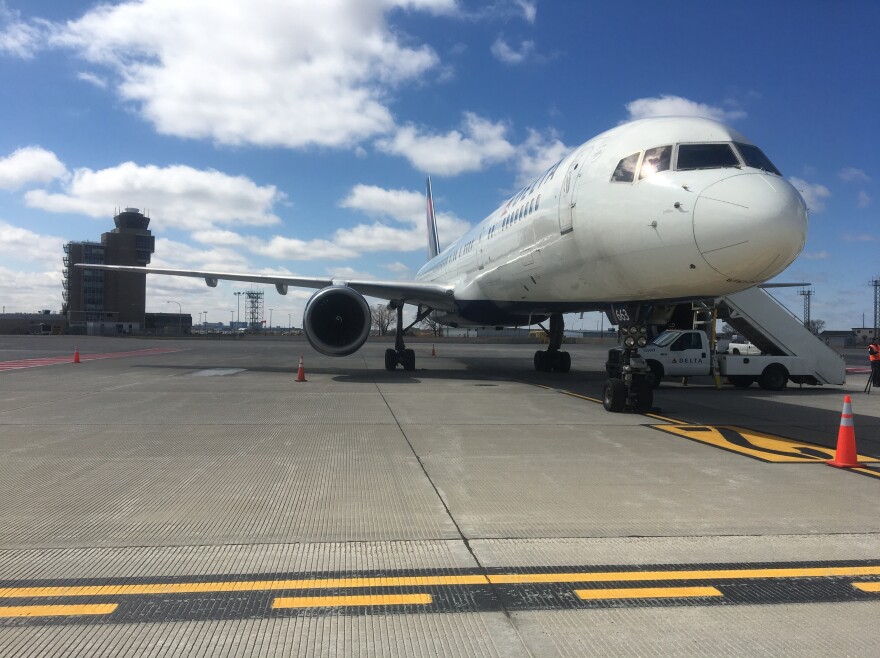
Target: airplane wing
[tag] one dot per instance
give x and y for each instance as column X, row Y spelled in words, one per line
column 436, row 296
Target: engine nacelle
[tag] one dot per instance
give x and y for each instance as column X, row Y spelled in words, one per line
column 337, row 320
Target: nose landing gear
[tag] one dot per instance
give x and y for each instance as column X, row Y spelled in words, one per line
column 632, row 388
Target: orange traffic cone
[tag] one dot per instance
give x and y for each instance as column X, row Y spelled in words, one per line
column 301, row 373
column 433, row 353
column 846, row 456
column 76, row 354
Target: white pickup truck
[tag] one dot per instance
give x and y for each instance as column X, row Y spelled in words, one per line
column 686, row 353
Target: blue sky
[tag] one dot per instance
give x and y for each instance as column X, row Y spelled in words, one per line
column 295, row 136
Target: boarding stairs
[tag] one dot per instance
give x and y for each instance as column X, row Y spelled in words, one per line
column 758, row 316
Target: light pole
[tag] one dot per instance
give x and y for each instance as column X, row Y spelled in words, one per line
column 238, row 307
column 206, row 323
column 231, row 316
column 179, row 317
column 270, row 319
column 288, row 324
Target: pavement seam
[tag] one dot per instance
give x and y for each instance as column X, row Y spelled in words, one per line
column 458, row 529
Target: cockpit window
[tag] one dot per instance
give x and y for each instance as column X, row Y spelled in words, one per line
column 655, row 160
column 626, row 169
column 706, row 156
column 754, row 157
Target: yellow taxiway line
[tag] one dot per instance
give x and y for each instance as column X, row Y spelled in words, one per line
column 56, row 610
column 646, row 593
column 338, row 601
column 437, row 581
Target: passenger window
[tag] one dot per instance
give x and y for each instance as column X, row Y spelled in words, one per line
column 626, row 169
column 655, row 160
column 706, row 156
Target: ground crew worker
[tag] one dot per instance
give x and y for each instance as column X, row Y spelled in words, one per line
column 874, row 355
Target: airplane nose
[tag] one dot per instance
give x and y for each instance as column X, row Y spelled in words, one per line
column 750, row 227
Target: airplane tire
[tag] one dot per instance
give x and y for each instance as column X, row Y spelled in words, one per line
column 741, row 381
column 562, row 362
column 656, row 372
column 614, row 395
column 774, row 378
column 644, row 396
column 541, row 361
column 409, row 360
column 390, row 359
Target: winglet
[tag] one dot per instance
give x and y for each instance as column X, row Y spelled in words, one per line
column 433, row 240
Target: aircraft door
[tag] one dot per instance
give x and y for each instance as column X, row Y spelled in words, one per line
column 567, row 199
column 688, row 355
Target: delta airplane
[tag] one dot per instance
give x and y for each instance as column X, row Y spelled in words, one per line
column 643, row 217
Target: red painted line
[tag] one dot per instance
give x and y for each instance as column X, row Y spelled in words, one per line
column 55, row 360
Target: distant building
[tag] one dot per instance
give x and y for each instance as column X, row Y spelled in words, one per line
column 44, row 322
column 838, row 338
column 170, row 324
column 95, row 297
column 863, row 335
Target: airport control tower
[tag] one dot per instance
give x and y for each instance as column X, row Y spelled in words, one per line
column 110, row 297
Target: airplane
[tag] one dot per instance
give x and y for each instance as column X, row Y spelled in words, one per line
column 641, row 218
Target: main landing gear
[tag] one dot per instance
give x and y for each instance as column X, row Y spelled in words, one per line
column 633, row 390
column 400, row 354
column 553, row 358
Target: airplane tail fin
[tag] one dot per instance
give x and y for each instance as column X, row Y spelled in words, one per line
column 433, row 241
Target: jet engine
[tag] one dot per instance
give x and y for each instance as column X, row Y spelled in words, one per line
column 337, row 320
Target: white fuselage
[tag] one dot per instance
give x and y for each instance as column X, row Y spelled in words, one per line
column 622, row 218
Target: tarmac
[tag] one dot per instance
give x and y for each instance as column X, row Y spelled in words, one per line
column 189, row 498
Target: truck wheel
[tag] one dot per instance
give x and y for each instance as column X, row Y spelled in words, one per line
column 614, row 395
column 741, row 381
column 773, row 378
column 657, row 372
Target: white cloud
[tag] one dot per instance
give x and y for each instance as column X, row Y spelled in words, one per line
column 92, row 79
column 864, row 199
column 851, row 174
column 662, row 106
column 268, row 72
column 30, row 164
column 18, row 38
column 537, row 154
column 177, row 196
column 863, row 237
column 283, row 248
column 403, row 206
column 528, row 8
column 29, row 292
column 503, row 52
column 479, row 144
column 397, row 267
column 18, row 243
column 814, row 193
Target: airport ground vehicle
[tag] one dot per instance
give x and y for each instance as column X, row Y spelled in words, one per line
column 687, row 353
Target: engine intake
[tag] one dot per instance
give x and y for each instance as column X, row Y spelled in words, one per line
column 337, row 320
